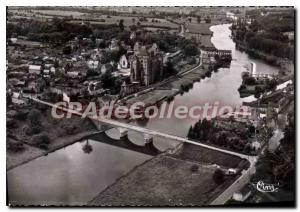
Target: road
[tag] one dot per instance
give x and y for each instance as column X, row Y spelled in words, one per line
column 236, row 186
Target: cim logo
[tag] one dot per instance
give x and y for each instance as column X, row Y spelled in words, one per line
column 265, row 187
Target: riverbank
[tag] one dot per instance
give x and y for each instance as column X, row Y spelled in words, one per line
column 63, row 132
column 269, row 59
column 170, row 88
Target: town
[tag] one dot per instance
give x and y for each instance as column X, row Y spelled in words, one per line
column 159, row 57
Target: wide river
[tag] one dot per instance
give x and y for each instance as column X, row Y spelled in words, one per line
column 72, row 176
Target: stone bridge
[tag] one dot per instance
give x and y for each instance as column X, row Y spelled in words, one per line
column 123, row 141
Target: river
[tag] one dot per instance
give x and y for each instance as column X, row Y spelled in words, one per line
column 71, row 176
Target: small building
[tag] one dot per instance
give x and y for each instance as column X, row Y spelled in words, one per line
column 123, row 62
column 243, row 194
column 16, row 98
column 93, row 64
column 73, row 74
column 132, row 36
column 52, row 70
column 127, row 88
column 114, row 45
column 34, row 69
column 230, row 172
column 36, row 86
column 46, row 71
column 256, row 145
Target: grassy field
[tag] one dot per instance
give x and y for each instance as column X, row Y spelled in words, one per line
column 163, row 181
column 204, row 155
column 96, row 18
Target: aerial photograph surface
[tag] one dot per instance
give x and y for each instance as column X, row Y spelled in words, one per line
column 150, row 106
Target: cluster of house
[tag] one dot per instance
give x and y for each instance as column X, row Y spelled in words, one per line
column 34, row 69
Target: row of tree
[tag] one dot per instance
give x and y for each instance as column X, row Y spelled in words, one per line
column 205, row 130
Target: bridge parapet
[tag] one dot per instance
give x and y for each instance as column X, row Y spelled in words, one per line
column 148, row 138
column 123, row 131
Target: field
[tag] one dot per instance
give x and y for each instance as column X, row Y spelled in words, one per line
column 204, row 155
column 95, row 18
column 163, row 181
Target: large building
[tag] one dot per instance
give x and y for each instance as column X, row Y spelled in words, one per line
column 146, row 64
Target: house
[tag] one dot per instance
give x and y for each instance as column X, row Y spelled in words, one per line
column 127, row 88
column 243, row 194
column 73, row 74
column 132, row 36
column 290, row 35
column 16, row 98
column 123, row 62
column 114, row 45
column 36, row 86
column 256, row 145
column 13, row 40
column 230, row 172
column 34, row 69
column 92, row 64
column 52, row 70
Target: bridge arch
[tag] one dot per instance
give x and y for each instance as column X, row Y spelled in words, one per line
column 133, row 139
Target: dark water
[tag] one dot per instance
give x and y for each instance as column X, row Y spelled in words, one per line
column 70, row 176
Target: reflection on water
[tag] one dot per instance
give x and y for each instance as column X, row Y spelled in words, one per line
column 73, row 175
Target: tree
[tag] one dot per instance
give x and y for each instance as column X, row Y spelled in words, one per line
column 87, row 148
column 222, row 139
column 133, row 27
column 169, row 69
column 67, row 50
column 258, row 89
column 250, row 81
column 190, row 50
column 218, row 176
column 247, row 148
column 198, row 19
column 8, row 99
column 121, row 25
column 194, row 168
column 191, row 132
column 42, row 141
column 207, row 20
column 107, row 80
column 205, row 129
column 34, row 117
column 272, row 84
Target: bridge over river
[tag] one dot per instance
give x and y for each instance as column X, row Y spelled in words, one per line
column 148, row 133
column 148, row 148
